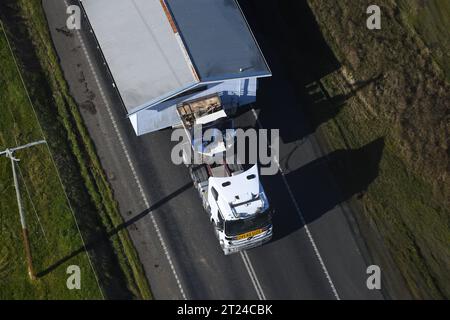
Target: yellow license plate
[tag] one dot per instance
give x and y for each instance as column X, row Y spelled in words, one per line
column 249, row 234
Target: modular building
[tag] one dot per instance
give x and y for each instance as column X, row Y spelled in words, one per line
column 162, row 53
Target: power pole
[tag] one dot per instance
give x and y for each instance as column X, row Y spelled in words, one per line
column 9, row 153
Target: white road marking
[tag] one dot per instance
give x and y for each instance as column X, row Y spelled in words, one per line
column 303, row 221
column 130, row 163
column 244, row 255
column 252, row 274
column 53, row 161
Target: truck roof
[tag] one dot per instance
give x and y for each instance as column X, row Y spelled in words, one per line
column 240, row 195
column 156, row 49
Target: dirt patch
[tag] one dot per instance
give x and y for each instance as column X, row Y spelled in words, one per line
column 89, row 106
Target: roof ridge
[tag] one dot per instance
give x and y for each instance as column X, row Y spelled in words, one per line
column 184, row 49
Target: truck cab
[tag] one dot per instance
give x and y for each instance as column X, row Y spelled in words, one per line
column 239, row 209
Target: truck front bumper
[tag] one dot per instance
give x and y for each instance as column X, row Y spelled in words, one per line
column 230, row 247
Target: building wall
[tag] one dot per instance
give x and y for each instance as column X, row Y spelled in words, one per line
column 234, row 93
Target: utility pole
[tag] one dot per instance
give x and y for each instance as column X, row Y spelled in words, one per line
column 9, row 153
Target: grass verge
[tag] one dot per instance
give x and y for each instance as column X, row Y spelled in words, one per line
column 53, row 231
column 391, row 86
column 431, row 20
column 64, row 129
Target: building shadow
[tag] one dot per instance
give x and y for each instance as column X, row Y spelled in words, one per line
column 298, row 55
column 321, row 185
column 321, row 107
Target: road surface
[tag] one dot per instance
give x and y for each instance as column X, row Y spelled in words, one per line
column 314, row 253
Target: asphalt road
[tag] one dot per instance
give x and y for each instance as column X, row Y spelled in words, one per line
column 171, row 231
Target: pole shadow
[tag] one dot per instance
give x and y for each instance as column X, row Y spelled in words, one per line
column 99, row 240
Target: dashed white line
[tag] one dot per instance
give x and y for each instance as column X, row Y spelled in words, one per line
column 303, row 221
column 130, row 163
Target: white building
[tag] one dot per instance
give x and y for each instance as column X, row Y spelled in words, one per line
column 164, row 52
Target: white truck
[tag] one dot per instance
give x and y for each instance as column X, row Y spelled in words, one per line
column 234, row 198
column 172, row 59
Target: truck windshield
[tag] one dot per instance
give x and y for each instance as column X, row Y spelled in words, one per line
column 237, row 227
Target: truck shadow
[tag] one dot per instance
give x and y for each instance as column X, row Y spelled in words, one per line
column 317, row 191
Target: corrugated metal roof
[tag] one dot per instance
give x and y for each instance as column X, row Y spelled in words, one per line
column 141, row 50
column 149, row 60
column 218, row 39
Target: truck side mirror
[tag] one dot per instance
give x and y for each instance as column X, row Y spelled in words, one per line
column 219, row 225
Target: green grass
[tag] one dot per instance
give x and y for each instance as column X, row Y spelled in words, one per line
column 409, row 216
column 18, row 125
column 431, row 20
column 75, row 155
column 407, row 107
